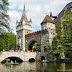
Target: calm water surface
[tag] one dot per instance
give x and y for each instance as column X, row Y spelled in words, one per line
column 37, row 67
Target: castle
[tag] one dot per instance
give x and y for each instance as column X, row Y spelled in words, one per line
column 26, row 39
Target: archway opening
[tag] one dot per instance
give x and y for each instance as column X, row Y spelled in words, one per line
column 34, row 46
column 42, row 58
column 13, row 59
column 31, row 60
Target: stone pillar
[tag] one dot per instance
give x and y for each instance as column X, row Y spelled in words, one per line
column 23, row 40
column 42, row 43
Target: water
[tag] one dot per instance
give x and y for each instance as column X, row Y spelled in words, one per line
column 37, row 67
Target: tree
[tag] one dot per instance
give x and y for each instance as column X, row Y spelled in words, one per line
column 4, row 17
column 7, row 41
column 63, row 41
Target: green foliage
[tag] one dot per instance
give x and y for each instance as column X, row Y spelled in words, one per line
column 48, row 47
column 63, row 41
column 4, row 17
column 33, row 48
column 7, row 41
column 37, row 49
column 57, row 51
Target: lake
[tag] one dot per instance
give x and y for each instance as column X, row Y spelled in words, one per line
column 37, row 66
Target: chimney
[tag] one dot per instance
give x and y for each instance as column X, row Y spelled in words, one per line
column 50, row 14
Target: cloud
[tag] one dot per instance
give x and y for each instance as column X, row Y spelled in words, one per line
column 35, row 9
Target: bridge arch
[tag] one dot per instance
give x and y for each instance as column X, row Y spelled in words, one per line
column 5, row 55
column 42, row 57
column 34, row 43
column 13, row 58
column 31, row 60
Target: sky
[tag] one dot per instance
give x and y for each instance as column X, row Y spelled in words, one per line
column 35, row 9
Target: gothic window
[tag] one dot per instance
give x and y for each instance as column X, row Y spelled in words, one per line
column 19, row 40
column 21, row 22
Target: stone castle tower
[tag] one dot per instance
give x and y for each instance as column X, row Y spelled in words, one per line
column 48, row 32
column 26, row 39
column 23, row 27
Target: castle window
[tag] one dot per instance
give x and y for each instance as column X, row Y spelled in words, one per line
column 19, row 39
column 71, row 8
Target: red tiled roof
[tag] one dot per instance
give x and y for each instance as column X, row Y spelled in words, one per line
column 33, row 34
column 47, row 19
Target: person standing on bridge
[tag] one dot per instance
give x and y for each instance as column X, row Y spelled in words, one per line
column 15, row 61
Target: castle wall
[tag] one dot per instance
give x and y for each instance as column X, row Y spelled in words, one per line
column 44, row 39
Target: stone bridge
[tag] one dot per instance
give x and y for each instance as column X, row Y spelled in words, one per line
column 24, row 56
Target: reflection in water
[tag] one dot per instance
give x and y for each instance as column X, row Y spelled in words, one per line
column 62, row 67
column 36, row 67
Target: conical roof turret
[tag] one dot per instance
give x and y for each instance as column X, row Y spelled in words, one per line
column 47, row 19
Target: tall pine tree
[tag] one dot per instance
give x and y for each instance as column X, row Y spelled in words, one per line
column 4, row 17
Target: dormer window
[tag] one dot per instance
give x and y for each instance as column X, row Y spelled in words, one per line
column 71, row 7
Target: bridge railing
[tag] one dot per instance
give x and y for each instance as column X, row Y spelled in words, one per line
column 22, row 51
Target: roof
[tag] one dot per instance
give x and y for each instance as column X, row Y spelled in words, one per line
column 24, row 17
column 66, row 8
column 33, row 34
column 47, row 19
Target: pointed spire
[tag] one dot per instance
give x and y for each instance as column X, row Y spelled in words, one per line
column 24, row 7
column 30, row 20
column 24, row 17
column 17, row 21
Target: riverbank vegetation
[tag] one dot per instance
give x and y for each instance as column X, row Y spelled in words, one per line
column 7, row 41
